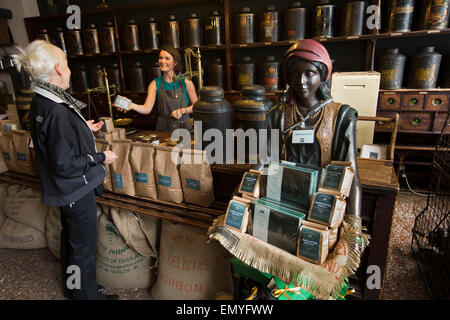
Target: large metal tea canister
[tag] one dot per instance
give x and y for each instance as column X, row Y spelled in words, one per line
column 323, row 20
column 269, row 30
column 74, row 42
column 424, row 69
column 435, row 14
column 107, row 38
column 113, row 74
column 400, row 15
column 446, row 72
column 354, row 21
column 80, row 80
column 130, row 36
column 215, row 73
column 44, row 35
column 136, row 78
column 152, row 34
column 60, row 39
column 91, row 40
column 214, row 29
column 153, row 71
column 294, row 22
column 269, row 73
column 213, row 111
column 171, row 32
column 391, row 68
column 245, row 26
column 245, row 72
column 192, row 31
column 251, row 112
column 95, row 76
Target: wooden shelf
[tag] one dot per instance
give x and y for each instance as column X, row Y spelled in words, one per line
column 415, row 90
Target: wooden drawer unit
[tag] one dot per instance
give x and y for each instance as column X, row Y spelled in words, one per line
column 413, row 101
column 382, row 126
column 439, row 121
column 416, row 121
column 389, row 101
column 437, row 101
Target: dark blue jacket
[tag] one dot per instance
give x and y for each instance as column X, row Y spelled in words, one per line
column 68, row 165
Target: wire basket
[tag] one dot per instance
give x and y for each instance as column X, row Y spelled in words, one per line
column 430, row 240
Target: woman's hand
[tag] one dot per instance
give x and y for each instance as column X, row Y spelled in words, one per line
column 178, row 113
column 94, row 126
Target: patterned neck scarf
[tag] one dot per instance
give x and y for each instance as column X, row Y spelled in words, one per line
column 60, row 93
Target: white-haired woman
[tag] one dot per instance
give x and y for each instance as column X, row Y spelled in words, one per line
column 71, row 171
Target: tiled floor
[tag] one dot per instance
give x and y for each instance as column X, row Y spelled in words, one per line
column 35, row 274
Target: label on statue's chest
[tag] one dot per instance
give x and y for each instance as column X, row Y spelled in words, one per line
column 303, row 136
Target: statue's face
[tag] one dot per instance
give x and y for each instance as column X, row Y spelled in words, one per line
column 305, row 80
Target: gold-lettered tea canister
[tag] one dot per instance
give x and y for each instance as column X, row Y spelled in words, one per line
column 91, row 40
column 130, row 36
column 269, row 30
column 60, row 39
column 214, row 29
column 171, row 31
column 44, row 35
column 424, row 69
column 74, row 42
column 152, row 34
column 294, row 22
column 192, row 31
column 107, row 38
column 245, row 26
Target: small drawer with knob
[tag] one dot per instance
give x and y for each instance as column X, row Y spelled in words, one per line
column 390, row 101
column 413, row 101
column 440, row 120
column 437, row 102
column 382, row 125
column 416, row 121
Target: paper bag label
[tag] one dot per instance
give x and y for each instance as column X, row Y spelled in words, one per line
column 261, row 222
column 118, row 181
column 193, row 184
column 6, row 156
column 21, row 156
column 141, row 177
column 236, row 215
column 249, row 183
column 164, row 181
column 323, row 204
column 309, row 246
column 333, row 176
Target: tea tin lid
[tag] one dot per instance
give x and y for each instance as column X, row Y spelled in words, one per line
column 246, row 10
column 131, row 22
column 392, row 50
column 245, row 59
column 296, row 4
column 151, row 19
column 90, row 26
column 193, row 16
column 108, row 24
column 215, row 13
column 253, row 90
column 217, row 61
column 211, row 91
column 59, row 29
column 270, row 58
column 425, row 50
column 172, row 17
column 43, row 31
column 271, row 7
